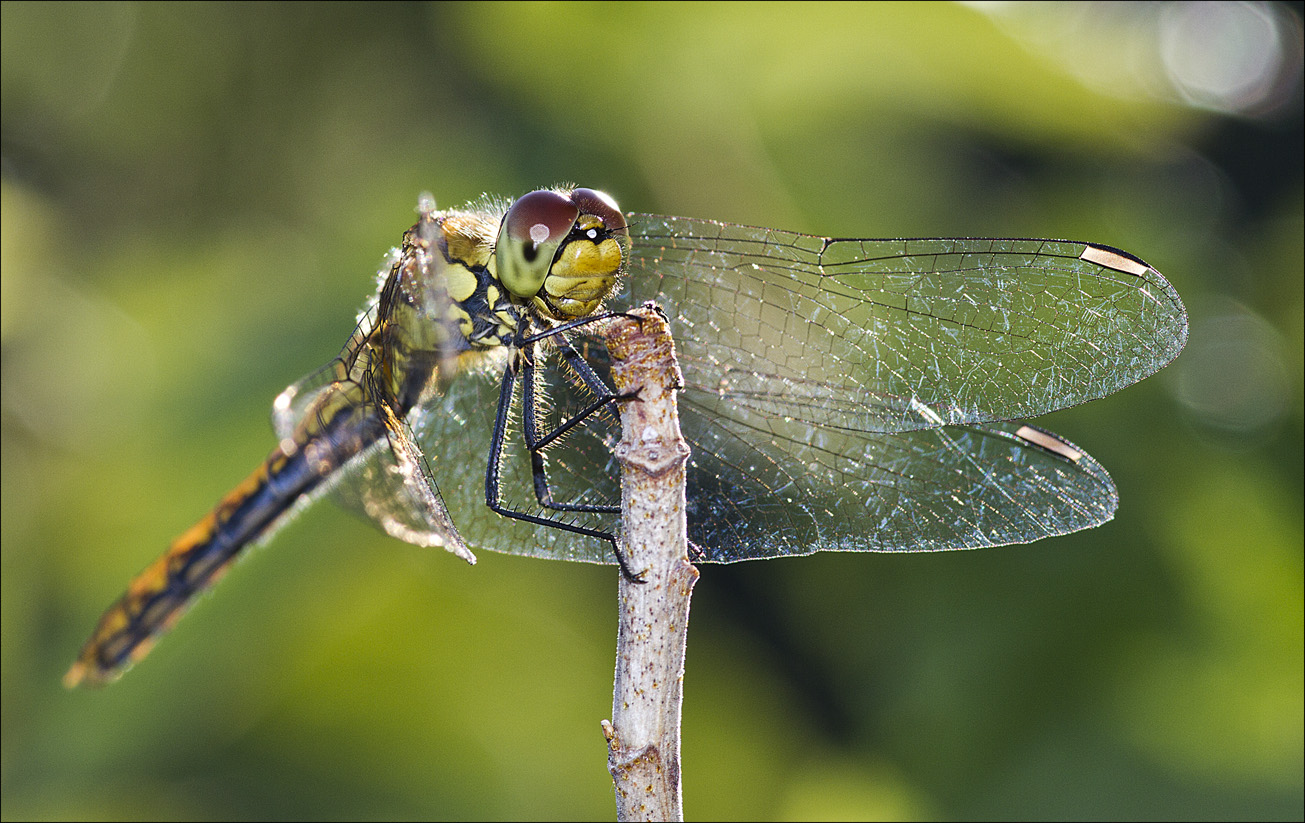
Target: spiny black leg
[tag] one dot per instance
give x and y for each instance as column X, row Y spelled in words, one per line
column 562, row 328
column 536, row 443
column 591, row 381
column 493, row 478
column 493, row 472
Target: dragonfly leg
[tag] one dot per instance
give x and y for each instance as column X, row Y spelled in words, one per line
column 582, row 374
column 493, row 480
column 563, row 328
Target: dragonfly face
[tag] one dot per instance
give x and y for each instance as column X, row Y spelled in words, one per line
column 562, row 252
column 840, row 394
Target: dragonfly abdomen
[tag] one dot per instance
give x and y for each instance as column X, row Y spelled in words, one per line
column 250, row 512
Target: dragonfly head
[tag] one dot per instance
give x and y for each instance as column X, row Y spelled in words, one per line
column 562, row 251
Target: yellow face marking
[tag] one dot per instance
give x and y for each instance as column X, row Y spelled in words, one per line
column 581, row 278
column 584, row 263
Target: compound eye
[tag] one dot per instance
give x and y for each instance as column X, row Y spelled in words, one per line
column 533, row 229
column 601, row 205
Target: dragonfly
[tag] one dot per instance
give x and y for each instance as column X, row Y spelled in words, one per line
column 839, row 394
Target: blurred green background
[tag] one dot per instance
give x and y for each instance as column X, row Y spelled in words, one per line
column 196, row 197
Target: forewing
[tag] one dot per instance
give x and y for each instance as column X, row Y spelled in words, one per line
column 854, row 333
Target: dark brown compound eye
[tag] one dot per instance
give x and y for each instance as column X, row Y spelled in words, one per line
column 602, row 206
column 537, row 219
column 533, row 230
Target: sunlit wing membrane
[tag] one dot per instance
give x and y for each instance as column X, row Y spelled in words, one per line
column 846, row 333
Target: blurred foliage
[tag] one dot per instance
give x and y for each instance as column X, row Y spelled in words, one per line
column 195, row 197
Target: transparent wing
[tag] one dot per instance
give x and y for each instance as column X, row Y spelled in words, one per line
column 846, row 394
column 763, row 487
column 853, row 333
